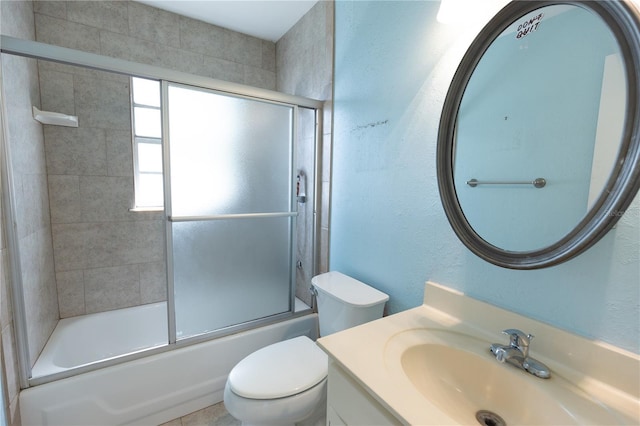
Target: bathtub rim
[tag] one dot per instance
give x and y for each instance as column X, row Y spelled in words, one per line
column 154, row 389
column 182, row 343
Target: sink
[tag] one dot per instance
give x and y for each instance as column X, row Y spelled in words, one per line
column 431, row 365
column 458, row 375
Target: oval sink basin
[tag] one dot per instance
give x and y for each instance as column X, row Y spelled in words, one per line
column 458, row 375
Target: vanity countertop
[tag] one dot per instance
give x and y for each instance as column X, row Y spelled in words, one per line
column 602, row 371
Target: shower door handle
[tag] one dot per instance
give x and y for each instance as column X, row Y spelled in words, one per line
column 229, row 216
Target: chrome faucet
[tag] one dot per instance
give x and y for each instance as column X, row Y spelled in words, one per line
column 517, row 353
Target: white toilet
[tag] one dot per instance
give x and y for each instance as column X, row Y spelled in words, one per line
column 286, row 383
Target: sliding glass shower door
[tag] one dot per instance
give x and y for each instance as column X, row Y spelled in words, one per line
column 230, row 205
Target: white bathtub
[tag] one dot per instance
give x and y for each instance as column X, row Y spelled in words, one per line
column 83, row 340
column 146, row 391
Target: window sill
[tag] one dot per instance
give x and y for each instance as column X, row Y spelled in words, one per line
column 146, row 209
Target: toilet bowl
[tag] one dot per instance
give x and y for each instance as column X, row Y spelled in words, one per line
column 286, row 383
column 305, row 408
column 280, row 384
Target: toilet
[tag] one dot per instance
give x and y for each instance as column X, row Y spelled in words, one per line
column 286, row 383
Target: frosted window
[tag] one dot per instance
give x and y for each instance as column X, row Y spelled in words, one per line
column 228, row 155
column 149, row 157
column 147, row 143
column 149, row 190
column 147, row 122
column 146, row 92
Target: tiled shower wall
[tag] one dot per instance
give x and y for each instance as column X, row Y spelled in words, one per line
column 89, row 167
column 140, row 33
column 304, row 61
column 25, row 142
column 107, row 257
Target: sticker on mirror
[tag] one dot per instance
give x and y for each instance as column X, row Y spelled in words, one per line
column 529, row 26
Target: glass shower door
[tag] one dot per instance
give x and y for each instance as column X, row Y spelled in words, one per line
column 230, row 206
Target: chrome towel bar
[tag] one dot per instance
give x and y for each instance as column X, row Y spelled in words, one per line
column 538, row 182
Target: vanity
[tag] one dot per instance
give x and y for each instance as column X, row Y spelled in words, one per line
column 432, row 365
column 534, row 166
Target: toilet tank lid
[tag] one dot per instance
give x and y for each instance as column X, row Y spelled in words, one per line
column 347, row 289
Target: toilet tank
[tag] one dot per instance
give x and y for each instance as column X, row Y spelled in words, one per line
column 345, row 302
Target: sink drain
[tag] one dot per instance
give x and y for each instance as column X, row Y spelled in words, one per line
column 489, row 418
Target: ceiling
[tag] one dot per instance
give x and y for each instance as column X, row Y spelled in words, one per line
column 265, row 19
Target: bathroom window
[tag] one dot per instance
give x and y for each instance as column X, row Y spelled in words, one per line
column 147, row 143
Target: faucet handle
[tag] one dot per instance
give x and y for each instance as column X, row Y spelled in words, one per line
column 519, row 340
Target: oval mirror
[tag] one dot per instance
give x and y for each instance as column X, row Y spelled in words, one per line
column 539, row 140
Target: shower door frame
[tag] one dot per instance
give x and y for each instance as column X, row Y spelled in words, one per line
column 170, row 219
column 63, row 55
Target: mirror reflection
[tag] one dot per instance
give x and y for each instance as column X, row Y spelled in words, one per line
column 546, row 101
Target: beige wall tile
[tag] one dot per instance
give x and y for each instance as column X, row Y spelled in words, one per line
column 56, row 92
column 103, row 103
column 106, row 198
column 109, row 15
column 149, row 23
column 242, row 48
column 269, row 56
column 180, row 60
column 26, row 142
column 304, row 57
column 129, row 48
column 259, row 77
column 25, row 134
column 10, row 362
column 67, row 34
column 324, row 250
column 16, row 19
column 6, row 312
column 304, row 67
column 33, row 208
column 153, row 282
column 119, row 153
column 57, row 9
column 39, row 289
column 200, row 37
column 111, row 288
column 80, row 151
column 222, row 69
column 71, row 293
column 79, row 71
column 64, row 197
column 94, row 245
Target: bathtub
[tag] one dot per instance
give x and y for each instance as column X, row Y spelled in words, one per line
column 149, row 390
column 83, row 340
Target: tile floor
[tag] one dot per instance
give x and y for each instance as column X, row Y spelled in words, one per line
column 214, row 415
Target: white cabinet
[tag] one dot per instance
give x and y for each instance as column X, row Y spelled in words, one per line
column 348, row 403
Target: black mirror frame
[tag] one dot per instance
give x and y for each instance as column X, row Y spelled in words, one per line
column 623, row 19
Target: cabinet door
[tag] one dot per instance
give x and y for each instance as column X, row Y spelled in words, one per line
column 349, row 404
column 333, row 419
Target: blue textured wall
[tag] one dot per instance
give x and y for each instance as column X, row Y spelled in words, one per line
column 393, row 65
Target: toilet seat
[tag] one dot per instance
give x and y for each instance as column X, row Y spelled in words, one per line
column 301, row 407
column 279, row 370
